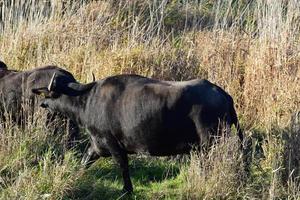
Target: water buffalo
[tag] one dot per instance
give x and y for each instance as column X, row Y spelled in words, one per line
column 133, row 114
column 16, row 98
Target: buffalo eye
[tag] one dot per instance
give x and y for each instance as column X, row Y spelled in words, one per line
column 44, row 105
column 52, row 95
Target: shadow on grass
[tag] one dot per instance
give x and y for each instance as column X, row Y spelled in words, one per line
column 150, row 176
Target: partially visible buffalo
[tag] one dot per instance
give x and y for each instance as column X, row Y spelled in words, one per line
column 133, row 114
column 16, row 98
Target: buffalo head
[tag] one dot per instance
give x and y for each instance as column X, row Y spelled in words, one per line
column 61, row 92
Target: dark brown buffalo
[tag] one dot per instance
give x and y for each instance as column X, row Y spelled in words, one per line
column 17, row 101
column 133, row 114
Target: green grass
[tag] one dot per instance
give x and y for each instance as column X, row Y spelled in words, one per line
column 153, row 178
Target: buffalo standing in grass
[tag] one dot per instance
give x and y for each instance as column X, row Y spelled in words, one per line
column 16, row 98
column 133, row 114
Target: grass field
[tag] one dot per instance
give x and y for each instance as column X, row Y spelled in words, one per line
column 249, row 48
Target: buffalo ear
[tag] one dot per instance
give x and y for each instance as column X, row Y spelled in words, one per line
column 81, row 88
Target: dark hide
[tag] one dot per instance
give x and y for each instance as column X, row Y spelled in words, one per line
column 17, row 99
column 134, row 114
column 2, row 65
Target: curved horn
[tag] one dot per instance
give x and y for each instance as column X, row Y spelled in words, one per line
column 94, row 79
column 51, row 82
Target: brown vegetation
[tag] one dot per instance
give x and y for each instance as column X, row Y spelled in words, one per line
column 250, row 48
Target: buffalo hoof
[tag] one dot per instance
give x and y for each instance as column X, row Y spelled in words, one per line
column 127, row 190
column 85, row 162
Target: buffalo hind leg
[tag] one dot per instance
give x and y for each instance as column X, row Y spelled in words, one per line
column 203, row 134
column 91, row 155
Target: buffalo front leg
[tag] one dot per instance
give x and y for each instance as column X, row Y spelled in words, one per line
column 120, row 156
column 122, row 159
column 73, row 133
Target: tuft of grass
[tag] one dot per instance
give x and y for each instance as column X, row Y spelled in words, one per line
column 34, row 162
column 218, row 173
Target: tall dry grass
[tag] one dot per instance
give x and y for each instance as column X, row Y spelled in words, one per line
column 250, row 48
column 219, row 174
